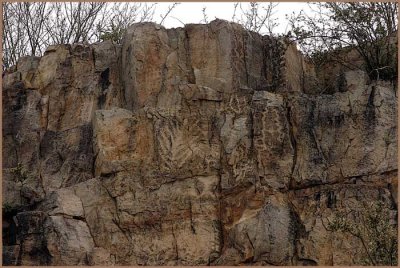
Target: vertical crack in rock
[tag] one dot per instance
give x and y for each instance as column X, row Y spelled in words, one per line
column 188, row 58
column 292, row 136
column 20, row 253
column 104, row 82
column 191, row 217
column 89, row 227
column 252, row 150
column 244, row 40
column 117, row 220
column 175, row 244
column 318, row 145
column 252, row 246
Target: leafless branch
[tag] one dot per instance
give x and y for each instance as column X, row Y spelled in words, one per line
column 170, row 8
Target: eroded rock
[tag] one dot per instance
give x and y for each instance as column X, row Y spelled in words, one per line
column 199, row 145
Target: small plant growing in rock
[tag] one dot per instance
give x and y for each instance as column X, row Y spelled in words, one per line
column 20, row 173
column 115, row 33
column 387, row 138
column 375, row 229
column 7, row 208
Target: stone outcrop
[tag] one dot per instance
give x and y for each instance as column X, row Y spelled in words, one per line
column 190, row 146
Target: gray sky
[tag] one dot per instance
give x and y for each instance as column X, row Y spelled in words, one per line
column 192, row 12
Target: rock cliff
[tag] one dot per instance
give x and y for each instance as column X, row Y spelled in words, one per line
column 189, row 146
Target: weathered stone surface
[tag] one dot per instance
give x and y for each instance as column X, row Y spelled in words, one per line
column 144, row 54
column 10, row 255
column 63, row 202
column 101, row 256
column 29, row 239
column 265, row 234
column 21, row 133
column 316, row 208
column 344, row 135
column 68, row 241
column 202, row 145
column 66, row 157
column 101, row 217
column 273, row 144
column 115, row 141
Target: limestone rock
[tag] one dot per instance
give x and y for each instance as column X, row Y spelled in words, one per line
column 68, row 241
column 266, row 234
column 273, row 143
column 63, row 202
column 101, row 256
column 201, row 145
column 115, row 144
column 316, row 208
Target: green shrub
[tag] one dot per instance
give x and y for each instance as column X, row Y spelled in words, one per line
column 7, row 208
column 20, row 173
column 375, row 228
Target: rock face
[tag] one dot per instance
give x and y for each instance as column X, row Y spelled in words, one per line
column 189, row 146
